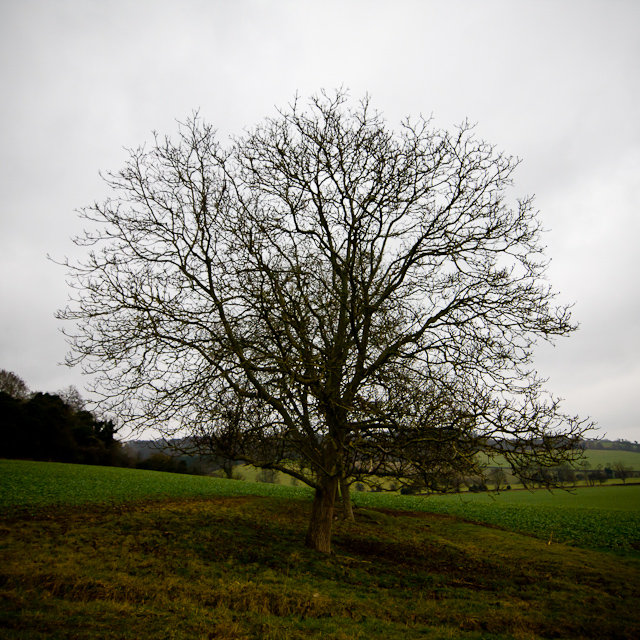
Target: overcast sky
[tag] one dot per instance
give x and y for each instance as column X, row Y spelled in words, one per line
column 556, row 83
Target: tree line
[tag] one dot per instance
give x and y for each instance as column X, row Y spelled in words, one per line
column 58, row 427
column 54, row 427
column 613, row 445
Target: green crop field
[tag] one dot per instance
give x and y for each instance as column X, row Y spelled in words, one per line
column 97, row 553
column 605, row 457
column 597, row 517
column 594, row 457
column 617, row 497
column 25, row 484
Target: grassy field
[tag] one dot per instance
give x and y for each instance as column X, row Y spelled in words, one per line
column 25, row 484
column 601, row 456
column 101, row 553
column 605, row 457
column 616, row 497
column 605, row 517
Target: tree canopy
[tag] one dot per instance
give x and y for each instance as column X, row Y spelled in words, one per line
column 326, row 297
column 13, row 385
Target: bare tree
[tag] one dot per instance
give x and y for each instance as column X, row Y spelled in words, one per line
column 622, row 470
column 72, row 398
column 566, row 474
column 498, row 477
column 585, row 465
column 370, row 297
column 14, row 385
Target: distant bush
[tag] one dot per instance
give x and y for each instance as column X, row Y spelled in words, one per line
column 163, row 462
column 270, row 476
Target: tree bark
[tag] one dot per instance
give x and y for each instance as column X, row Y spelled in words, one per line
column 347, row 507
column 319, row 532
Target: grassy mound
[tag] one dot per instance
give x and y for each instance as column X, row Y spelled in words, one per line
column 234, row 567
column 596, row 517
column 152, row 555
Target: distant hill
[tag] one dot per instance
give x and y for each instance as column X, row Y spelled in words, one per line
column 612, row 445
column 160, row 455
column 145, row 448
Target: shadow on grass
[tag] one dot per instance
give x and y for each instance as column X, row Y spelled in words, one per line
column 235, row 568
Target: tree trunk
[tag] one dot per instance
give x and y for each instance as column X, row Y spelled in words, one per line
column 347, row 507
column 319, row 532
